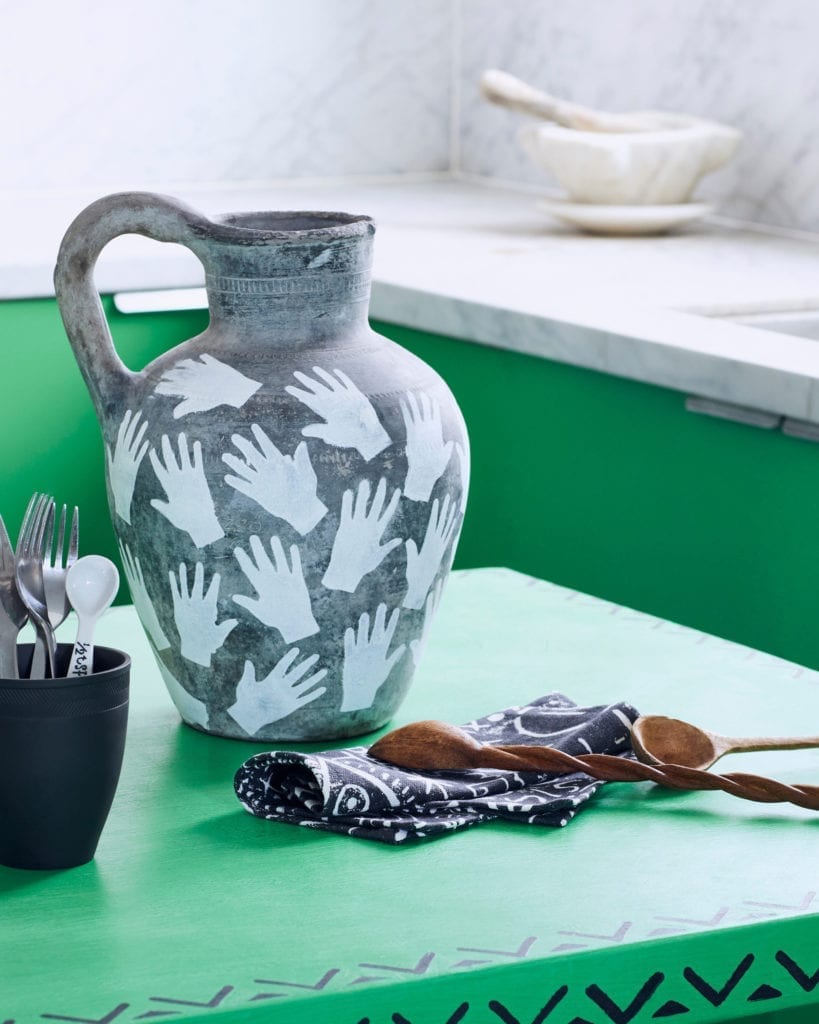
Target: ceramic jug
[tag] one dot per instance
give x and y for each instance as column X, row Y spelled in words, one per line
column 287, row 488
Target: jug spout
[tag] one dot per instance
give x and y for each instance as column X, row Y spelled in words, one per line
column 274, row 280
column 292, row 279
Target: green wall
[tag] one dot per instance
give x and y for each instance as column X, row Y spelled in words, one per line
column 594, row 482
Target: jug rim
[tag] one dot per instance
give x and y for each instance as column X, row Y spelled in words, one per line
column 254, row 226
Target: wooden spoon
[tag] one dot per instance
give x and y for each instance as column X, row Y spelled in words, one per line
column 660, row 740
column 437, row 746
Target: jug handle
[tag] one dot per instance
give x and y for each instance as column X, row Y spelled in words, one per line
column 142, row 213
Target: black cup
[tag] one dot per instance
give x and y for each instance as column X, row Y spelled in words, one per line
column 61, row 747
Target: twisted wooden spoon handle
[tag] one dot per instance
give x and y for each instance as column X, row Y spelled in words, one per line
column 618, row 769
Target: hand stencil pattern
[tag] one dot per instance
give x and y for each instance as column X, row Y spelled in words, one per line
column 189, row 504
column 142, row 602
column 357, row 548
column 430, row 608
column 367, row 664
column 260, row 702
column 351, row 421
column 189, row 707
column 195, row 613
column 427, row 455
column 283, row 600
column 284, row 485
column 204, row 384
column 463, row 467
column 124, row 461
column 361, row 471
column 423, row 565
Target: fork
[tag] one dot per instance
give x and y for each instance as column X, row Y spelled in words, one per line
column 56, row 563
column 38, row 523
column 13, row 614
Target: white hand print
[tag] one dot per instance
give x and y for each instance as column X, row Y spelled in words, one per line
column 351, row 421
column 357, row 547
column 367, row 664
column 195, row 613
column 284, row 485
column 124, row 460
column 205, row 384
column 190, row 505
column 462, row 453
column 261, row 702
column 423, row 565
column 142, row 602
column 430, row 608
column 189, row 707
column 427, row 455
column 283, row 600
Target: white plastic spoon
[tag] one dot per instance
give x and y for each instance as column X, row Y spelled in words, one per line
column 91, row 584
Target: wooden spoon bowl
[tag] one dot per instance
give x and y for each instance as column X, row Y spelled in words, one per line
column 438, row 746
column 660, row 740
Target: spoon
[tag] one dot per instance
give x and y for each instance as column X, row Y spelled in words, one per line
column 660, row 740
column 91, row 584
column 437, row 746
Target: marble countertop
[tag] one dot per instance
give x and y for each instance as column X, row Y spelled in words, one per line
column 482, row 263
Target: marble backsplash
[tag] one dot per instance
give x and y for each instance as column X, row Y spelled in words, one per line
column 99, row 97
column 750, row 63
column 109, row 96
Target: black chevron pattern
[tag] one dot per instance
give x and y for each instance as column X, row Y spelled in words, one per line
column 753, row 979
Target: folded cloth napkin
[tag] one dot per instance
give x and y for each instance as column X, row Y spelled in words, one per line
column 346, row 791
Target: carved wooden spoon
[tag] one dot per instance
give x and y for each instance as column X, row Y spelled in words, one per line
column 437, row 746
column 660, row 740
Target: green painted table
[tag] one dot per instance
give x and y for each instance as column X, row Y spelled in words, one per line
column 648, row 906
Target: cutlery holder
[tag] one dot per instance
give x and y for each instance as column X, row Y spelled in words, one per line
column 61, row 748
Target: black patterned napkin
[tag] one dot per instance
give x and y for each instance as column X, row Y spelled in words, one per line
column 347, row 791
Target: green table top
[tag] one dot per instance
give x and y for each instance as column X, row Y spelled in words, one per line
column 650, row 905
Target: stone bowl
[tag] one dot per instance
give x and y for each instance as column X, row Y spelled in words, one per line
column 655, row 167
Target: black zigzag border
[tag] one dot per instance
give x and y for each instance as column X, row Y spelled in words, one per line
column 646, row 1003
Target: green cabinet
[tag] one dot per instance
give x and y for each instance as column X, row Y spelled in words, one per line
column 50, row 437
column 596, row 482
column 610, row 486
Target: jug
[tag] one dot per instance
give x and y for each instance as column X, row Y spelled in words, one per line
column 287, row 487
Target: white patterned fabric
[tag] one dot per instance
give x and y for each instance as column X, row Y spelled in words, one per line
column 349, row 792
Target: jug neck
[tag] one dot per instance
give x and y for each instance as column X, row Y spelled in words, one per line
column 289, row 280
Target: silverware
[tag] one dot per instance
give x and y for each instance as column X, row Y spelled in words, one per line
column 38, row 523
column 92, row 585
column 13, row 613
column 56, row 563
